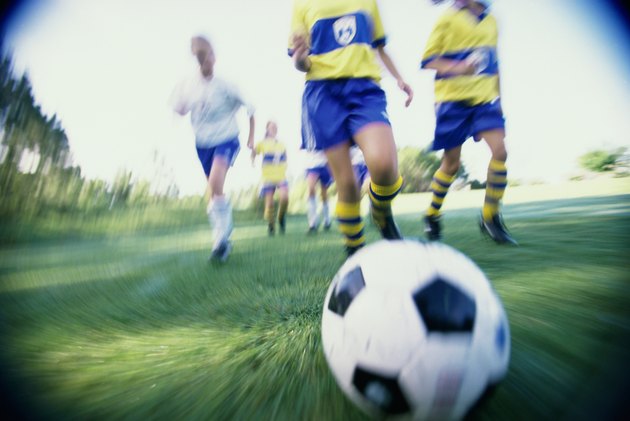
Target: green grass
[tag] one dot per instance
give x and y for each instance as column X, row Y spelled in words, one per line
column 141, row 326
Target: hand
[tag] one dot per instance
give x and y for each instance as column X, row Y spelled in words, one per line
column 406, row 89
column 300, row 52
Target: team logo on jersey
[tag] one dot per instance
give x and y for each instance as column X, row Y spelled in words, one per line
column 345, row 28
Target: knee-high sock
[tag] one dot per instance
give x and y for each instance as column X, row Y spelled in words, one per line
column 381, row 200
column 495, row 188
column 312, row 212
column 350, row 223
column 282, row 209
column 270, row 214
column 439, row 187
column 325, row 216
column 220, row 215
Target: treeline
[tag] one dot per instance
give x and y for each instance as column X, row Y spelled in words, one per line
column 37, row 174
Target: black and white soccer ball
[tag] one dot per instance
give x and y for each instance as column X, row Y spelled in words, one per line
column 414, row 330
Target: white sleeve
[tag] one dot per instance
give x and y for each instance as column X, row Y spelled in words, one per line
column 179, row 101
column 236, row 94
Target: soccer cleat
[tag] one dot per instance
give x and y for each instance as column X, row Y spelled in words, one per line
column 496, row 230
column 271, row 230
column 222, row 252
column 351, row 250
column 389, row 230
column 327, row 226
column 283, row 225
column 433, row 227
column 311, row 231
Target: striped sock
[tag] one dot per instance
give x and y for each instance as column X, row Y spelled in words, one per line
column 269, row 214
column 381, row 200
column 495, row 187
column 350, row 223
column 282, row 210
column 439, row 187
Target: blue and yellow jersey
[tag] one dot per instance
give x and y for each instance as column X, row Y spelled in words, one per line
column 457, row 34
column 274, row 160
column 342, row 36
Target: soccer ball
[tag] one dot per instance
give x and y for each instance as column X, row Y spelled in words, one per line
column 414, row 330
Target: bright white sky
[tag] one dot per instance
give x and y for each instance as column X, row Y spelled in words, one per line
column 107, row 69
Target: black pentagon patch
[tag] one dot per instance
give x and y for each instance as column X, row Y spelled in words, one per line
column 384, row 392
column 346, row 290
column 445, row 308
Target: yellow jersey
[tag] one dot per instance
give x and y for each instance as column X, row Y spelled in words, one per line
column 457, row 34
column 342, row 36
column 274, row 160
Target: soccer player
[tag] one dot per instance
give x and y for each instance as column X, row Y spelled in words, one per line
column 317, row 171
column 274, row 169
column 213, row 103
column 336, row 43
column 462, row 49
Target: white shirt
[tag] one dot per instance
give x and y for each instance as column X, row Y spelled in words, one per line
column 213, row 105
column 356, row 156
column 315, row 159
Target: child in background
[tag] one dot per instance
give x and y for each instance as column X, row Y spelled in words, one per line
column 213, row 103
column 274, row 169
column 317, row 171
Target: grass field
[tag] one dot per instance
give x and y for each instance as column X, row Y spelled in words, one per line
column 142, row 327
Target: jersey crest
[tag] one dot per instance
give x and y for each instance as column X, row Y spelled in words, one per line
column 345, row 29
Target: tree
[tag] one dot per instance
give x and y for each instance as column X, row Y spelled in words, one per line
column 417, row 167
column 601, row 160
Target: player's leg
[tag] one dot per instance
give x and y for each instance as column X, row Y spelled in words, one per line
column 325, row 180
column 221, row 210
column 348, row 207
column 283, row 200
column 496, row 182
column 269, row 213
column 312, row 177
column 442, row 180
column 376, row 141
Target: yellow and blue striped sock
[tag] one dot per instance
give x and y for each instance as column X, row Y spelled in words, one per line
column 381, row 200
column 439, row 187
column 350, row 223
column 495, row 187
column 269, row 214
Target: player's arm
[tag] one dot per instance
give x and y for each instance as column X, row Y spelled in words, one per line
column 445, row 66
column 300, row 52
column 391, row 68
column 252, row 126
column 299, row 48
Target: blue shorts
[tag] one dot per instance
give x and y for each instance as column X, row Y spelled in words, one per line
column 323, row 175
column 361, row 173
column 271, row 187
column 227, row 150
column 334, row 110
column 458, row 121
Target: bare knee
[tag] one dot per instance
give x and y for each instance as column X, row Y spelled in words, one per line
column 450, row 167
column 500, row 154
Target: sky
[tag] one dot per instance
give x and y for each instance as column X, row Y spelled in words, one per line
column 108, row 68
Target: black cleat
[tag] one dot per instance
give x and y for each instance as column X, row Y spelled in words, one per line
column 390, row 230
column 271, row 230
column 350, row 250
column 283, row 225
column 221, row 253
column 311, row 231
column 433, row 227
column 496, row 230
column 327, row 226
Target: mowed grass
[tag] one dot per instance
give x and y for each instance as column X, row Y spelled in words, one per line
column 142, row 327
